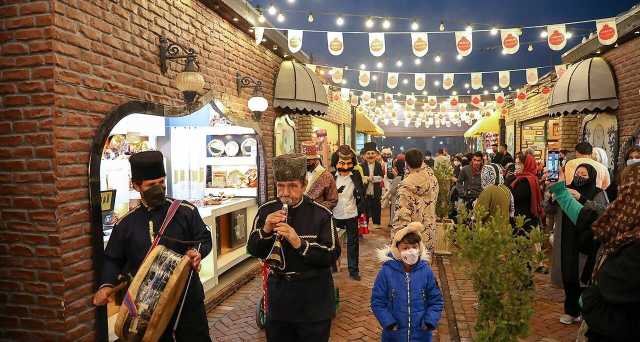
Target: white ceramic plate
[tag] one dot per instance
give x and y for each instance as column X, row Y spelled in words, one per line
column 216, row 147
column 248, row 145
column 232, row 149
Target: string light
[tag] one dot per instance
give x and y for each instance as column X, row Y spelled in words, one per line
column 437, row 59
column 494, row 31
column 436, row 83
column 569, row 35
column 530, row 48
column 495, row 88
column 454, row 93
column 379, row 65
column 424, row 92
column 344, row 82
column 415, row 26
column 374, row 77
column 405, row 81
column 386, row 24
column 544, row 34
column 272, row 10
column 379, row 98
column 310, row 17
column 363, row 66
column 459, row 57
column 369, row 23
column 504, row 52
column 466, row 86
column 291, row 1
column 340, row 21
column 399, row 63
column 486, row 92
column 417, row 61
column 469, row 29
column 280, row 18
column 441, row 25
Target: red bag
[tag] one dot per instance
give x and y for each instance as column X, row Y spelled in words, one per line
column 363, row 224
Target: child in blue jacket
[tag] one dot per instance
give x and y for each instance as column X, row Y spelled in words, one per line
column 406, row 299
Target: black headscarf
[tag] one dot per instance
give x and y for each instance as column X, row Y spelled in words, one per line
column 589, row 189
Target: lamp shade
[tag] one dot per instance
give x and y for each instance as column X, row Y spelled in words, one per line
column 257, row 104
column 191, row 81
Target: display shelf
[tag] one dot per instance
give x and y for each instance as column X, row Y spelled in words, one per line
column 237, row 192
column 232, row 161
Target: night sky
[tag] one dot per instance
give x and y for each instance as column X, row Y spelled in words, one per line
column 456, row 14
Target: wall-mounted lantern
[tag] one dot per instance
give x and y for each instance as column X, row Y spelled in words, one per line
column 190, row 81
column 257, row 103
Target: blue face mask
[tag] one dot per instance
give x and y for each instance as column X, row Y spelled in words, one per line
column 632, row 161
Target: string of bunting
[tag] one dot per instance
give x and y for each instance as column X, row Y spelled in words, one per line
column 556, row 35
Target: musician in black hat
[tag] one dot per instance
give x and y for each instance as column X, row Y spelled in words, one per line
column 132, row 237
column 373, row 173
column 301, row 296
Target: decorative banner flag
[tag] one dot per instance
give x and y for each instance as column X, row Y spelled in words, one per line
column 432, row 101
column 453, row 101
column 354, row 100
column 447, row 81
column 344, row 94
column 499, row 99
column 336, row 75
column 504, row 78
column 476, row 80
column 335, row 43
column 388, row 99
column 376, row 43
column 557, row 37
column 419, row 43
column 560, row 70
column 420, row 81
column 522, row 95
column 364, row 78
column 607, row 31
column 312, row 67
column 410, row 101
column 366, row 96
column 295, row 40
column 510, row 40
column 335, row 95
column 464, row 42
column 532, row 76
column 327, row 89
column 258, row 33
column 392, row 80
column 476, row 100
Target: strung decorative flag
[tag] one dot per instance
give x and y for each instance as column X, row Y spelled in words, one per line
column 376, row 43
column 335, row 43
column 344, row 94
column 560, row 70
column 336, row 75
column 432, row 101
column 335, row 95
column 532, row 76
column 607, row 31
column 504, row 78
column 312, row 67
column 364, row 78
column 510, row 40
column 557, row 37
column 499, row 99
column 464, row 43
column 476, row 100
column 447, row 81
column 522, row 94
column 258, row 32
column 453, row 102
column 476, row 80
column 354, row 100
column 388, row 99
column 420, row 81
column 295, row 40
column 410, row 101
column 419, row 43
column 366, row 96
column 392, row 80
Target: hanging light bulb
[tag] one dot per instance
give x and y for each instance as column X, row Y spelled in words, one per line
column 459, row 57
column 466, row 86
column 504, row 52
column 310, row 18
column 340, row 21
column 437, row 59
column 386, row 24
column 280, row 18
column 424, row 92
column 363, row 66
column 494, row 31
column 454, row 93
column 569, row 35
column 414, row 25
column 399, row 63
column 530, row 47
column 469, row 28
column 442, row 25
column 272, row 10
column 544, row 34
column 379, row 65
column 436, row 83
column 495, row 88
column 369, row 23
column 261, row 18
column 417, row 61
column 486, row 92
column 405, row 81
column 291, row 1
column 344, row 82
column 374, row 77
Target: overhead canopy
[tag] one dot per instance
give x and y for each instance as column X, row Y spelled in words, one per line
column 365, row 125
column 299, row 91
column 486, row 124
column 586, row 87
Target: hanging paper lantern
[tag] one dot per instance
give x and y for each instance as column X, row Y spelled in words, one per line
column 453, row 101
column 411, row 101
column 510, row 40
column 419, row 43
column 420, row 81
column 335, row 43
column 392, row 80
column 388, row 99
column 336, row 75
column 500, row 99
column 557, row 37
column 432, row 101
column 607, row 31
column 294, row 38
column 366, row 96
column 354, row 100
column 447, row 81
column 546, row 90
column 364, row 78
column 335, row 96
column 522, row 95
column 476, row 100
column 504, row 78
column 376, row 44
column 476, row 80
column 464, row 43
column 532, row 76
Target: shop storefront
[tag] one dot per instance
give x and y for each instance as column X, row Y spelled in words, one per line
column 540, row 135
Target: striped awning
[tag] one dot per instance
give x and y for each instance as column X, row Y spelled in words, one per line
column 299, row 91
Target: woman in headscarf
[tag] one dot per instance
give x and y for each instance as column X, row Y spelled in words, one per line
column 495, row 198
column 390, row 197
column 574, row 251
column 509, row 173
column 526, row 191
column 610, row 304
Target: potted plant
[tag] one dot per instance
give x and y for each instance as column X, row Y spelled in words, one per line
column 444, row 174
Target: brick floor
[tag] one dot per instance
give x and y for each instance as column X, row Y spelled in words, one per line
column 234, row 319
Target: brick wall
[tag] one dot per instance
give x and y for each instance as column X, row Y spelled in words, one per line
column 101, row 55
column 339, row 112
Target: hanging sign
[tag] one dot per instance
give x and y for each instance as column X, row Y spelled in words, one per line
column 464, row 43
column 510, row 40
column 344, row 94
column 560, row 70
column 522, row 95
column 295, row 40
column 453, row 102
column 447, row 81
column 364, row 78
column 420, row 81
column 419, row 43
column 607, row 31
column 557, row 37
column 354, row 100
column 376, row 43
column 504, row 78
column 335, row 43
column 532, row 76
column 366, row 96
column 392, row 80
column 432, row 101
column 410, row 101
column 258, row 32
column 336, row 75
column 476, row 100
column 500, row 99
column 335, row 95
column 476, row 80
column 388, row 99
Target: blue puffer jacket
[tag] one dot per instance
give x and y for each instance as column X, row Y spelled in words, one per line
column 411, row 300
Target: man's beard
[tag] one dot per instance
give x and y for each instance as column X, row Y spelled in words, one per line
column 288, row 200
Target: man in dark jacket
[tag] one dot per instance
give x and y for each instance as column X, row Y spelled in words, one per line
column 372, row 181
column 350, row 204
column 301, row 296
column 469, row 185
column 502, row 157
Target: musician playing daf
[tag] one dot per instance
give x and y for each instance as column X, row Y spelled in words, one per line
column 301, row 297
column 134, row 233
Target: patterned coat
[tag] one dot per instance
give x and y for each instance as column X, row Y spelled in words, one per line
column 322, row 188
column 416, row 202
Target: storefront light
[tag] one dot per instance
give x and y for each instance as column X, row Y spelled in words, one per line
column 257, row 103
column 190, row 81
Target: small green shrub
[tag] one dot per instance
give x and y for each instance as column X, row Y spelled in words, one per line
column 444, row 173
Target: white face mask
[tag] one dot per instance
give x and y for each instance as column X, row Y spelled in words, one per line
column 632, row 161
column 410, row 256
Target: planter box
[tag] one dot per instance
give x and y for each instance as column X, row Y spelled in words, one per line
column 443, row 244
